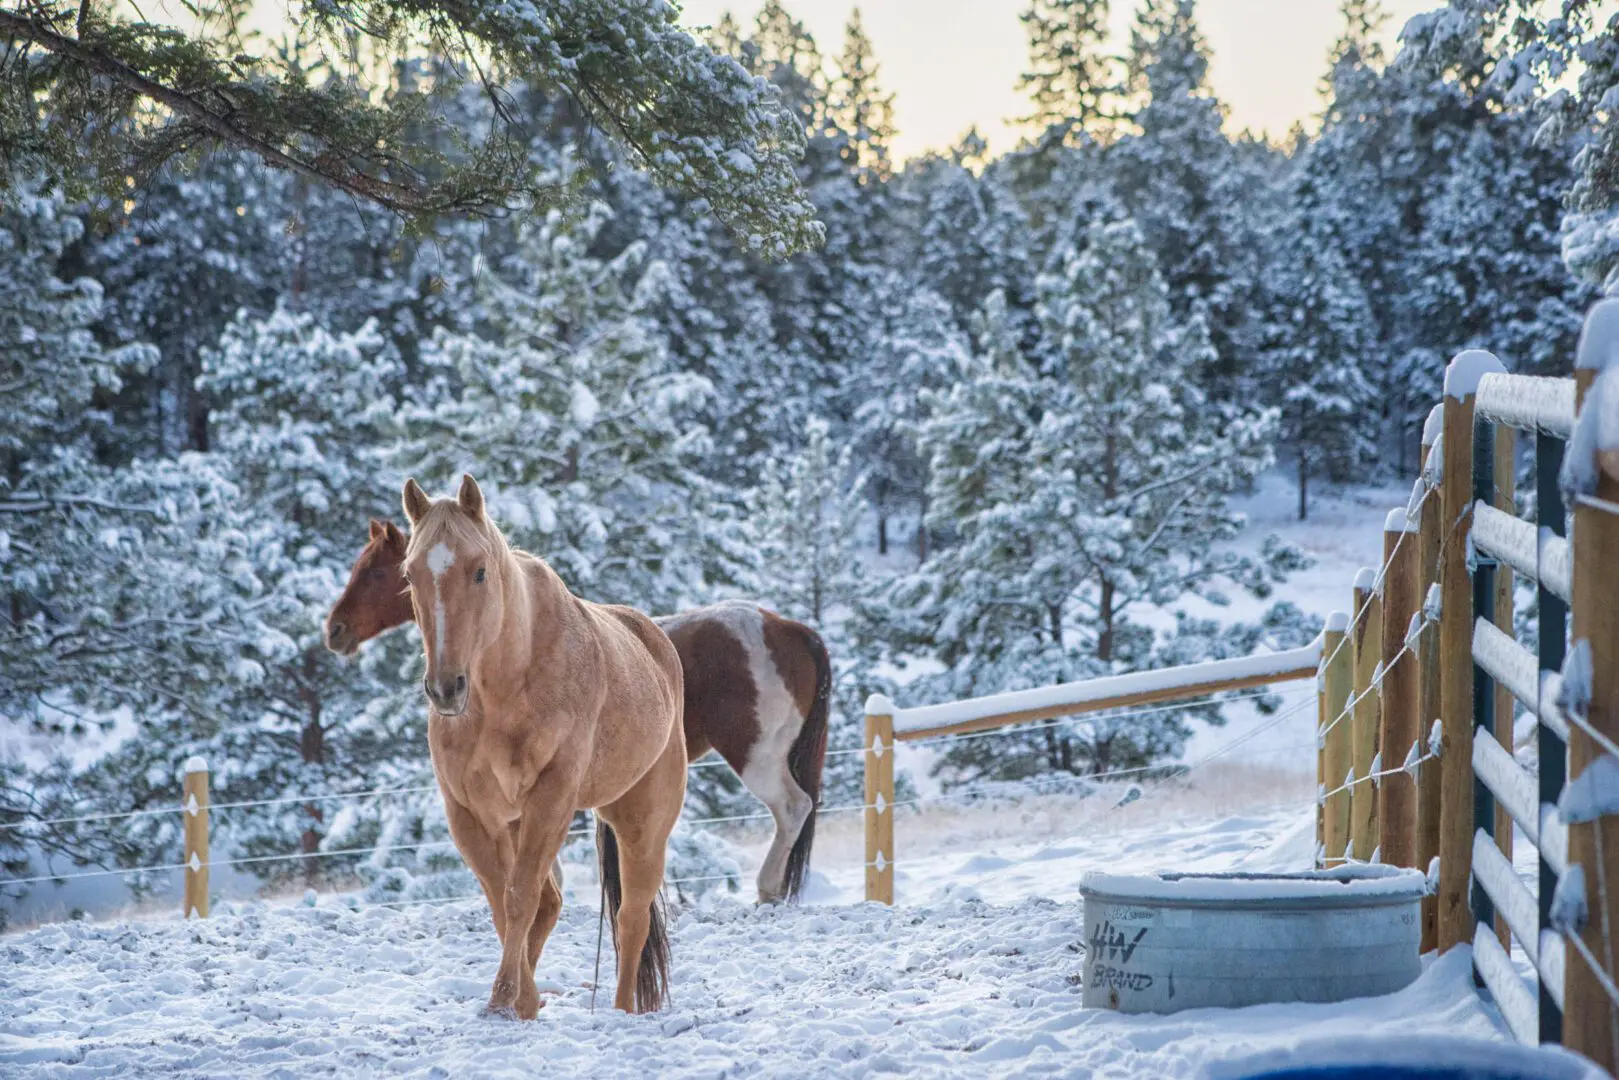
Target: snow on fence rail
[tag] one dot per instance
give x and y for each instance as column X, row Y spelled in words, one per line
column 886, row 724
column 1451, row 807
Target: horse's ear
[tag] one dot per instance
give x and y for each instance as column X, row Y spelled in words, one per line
column 470, row 497
column 376, row 529
column 416, row 501
column 392, row 536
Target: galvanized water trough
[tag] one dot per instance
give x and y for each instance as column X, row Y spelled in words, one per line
column 1187, row 941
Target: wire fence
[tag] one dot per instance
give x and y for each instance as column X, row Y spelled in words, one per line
column 1003, row 789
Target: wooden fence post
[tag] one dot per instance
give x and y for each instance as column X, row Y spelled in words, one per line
column 1429, row 776
column 195, row 809
column 1456, row 822
column 1336, row 676
column 879, row 810
column 1401, row 724
column 1506, row 500
column 1366, row 633
column 1590, row 1021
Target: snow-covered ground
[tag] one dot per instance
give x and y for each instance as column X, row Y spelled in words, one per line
column 973, row 972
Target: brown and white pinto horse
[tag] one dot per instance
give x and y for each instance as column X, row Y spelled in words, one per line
column 544, row 704
column 757, row 692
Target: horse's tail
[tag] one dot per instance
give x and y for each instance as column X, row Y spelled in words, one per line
column 806, row 760
column 652, row 977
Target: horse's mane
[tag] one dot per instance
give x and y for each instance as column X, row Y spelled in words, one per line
column 446, row 521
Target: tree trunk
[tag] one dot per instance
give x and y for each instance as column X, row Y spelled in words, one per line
column 1304, row 483
column 882, row 531
column 1104, row 615
column 922, row 531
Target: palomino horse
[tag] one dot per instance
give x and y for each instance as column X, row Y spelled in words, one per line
column 544, row 704
column 757, row 689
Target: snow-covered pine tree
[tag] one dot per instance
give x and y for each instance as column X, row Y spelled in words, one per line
column 1198, row 203
column 127, row 588
column 1071, row 78
column 300, row 412
column 860, row 108
column 1077, row 499
column 913, row 348
column 1316, row 339
column 187, row 254
column 803, row 523
column 587, row 441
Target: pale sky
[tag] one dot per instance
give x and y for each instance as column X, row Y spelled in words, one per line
column 955, row 63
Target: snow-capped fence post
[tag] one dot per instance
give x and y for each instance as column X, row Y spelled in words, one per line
column 1505, row 482
column 1590, row 1019
column 879, row 811
column 1366, row 632
column 1336, row 676
column 1456, row 677
column 1401, row 724
column 195, row 810
column 1429, row 780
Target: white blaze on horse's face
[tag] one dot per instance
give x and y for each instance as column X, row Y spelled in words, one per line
column 440, row 559
column 458, row 609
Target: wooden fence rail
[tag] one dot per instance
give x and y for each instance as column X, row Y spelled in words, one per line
column 886, row 724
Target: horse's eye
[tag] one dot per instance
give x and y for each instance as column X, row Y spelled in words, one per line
column 479, row 576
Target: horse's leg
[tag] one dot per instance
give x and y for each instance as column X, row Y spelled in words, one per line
column 546, row 814
column 643, row 819
column 790, row 806
column 482, row 854
column 545, row 920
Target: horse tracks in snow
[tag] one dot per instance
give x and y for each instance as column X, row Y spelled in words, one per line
column 959, row 987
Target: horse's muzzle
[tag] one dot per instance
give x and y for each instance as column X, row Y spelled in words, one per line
column 340, row 640
column 448, row 695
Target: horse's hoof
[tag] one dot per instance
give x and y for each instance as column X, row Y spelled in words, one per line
column 501, row 1012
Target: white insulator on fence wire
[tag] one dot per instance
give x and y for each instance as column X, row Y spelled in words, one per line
column 1413, row 505
column 1414, row 628
column 1436, row 738
column 1528, row 402
column 1433, row 876
column 1592, row 794
column 1433, row 470
column 1574, row 695
column 1569, row 914
column 1413, row 761
column 1433, row 426
column 1433, row 603
column 1375, row 772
